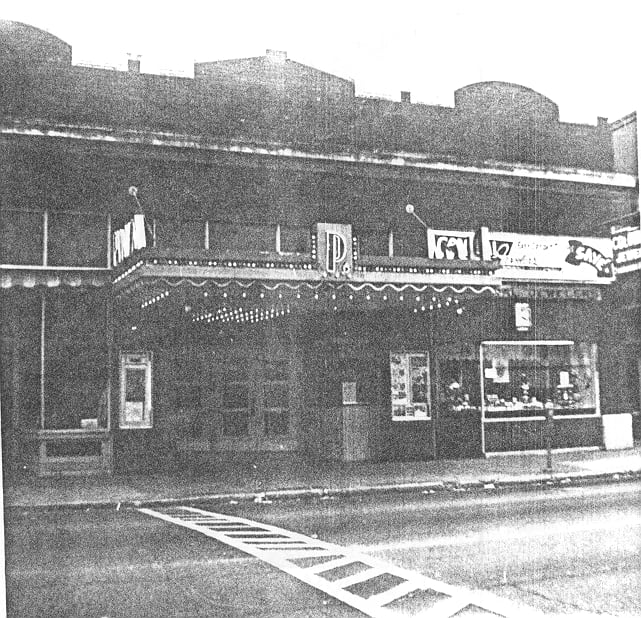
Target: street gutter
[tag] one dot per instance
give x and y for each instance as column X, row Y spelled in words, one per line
column 526, row 482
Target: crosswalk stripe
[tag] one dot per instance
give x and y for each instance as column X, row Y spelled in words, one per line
column 397, row 592
column 280, row 548
column 331, row 564
column 358, row 578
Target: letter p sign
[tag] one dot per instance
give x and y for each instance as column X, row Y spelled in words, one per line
column 336, row 251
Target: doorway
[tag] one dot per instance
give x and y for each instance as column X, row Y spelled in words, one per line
column 256, row 404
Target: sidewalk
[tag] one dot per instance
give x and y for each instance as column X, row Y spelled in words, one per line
column 278, row 477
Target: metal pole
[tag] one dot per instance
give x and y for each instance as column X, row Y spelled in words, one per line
column 410, row 210
column 549, row 430
column 42, row 360
column 45, row 238
column 109, row 243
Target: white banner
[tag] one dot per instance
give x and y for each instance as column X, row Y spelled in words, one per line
column 554, row 258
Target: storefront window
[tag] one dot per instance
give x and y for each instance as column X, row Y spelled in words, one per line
column 180, row 234
column 21, row 237
column 460, row 385
column 77, row 239
column 76, row 354
column 410, row 384
column 295, row 240
column 227, row 238
column 524, row 379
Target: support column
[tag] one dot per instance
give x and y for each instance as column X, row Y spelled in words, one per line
column 43, row 311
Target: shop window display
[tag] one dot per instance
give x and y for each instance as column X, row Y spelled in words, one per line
column 460, row 389
column 524, row 379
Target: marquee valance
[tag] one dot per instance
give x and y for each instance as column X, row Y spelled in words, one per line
column 53, row 278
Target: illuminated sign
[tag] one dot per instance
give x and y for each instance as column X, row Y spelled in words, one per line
column 585, row 254
column 335, row 249
column 627, row 249
column 552, row 258
column 128, row 239
column 446, row 245
column 522, row 316
column 529, row 256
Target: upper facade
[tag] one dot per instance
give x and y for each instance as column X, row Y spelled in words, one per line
column 255, row 152
column 274, row 99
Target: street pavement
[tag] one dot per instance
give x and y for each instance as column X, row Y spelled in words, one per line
column 275, row 476
column 563, row 550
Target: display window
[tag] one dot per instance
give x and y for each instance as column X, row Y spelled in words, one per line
column 76, row 392
column 410, row 385
column 530, row 378
column 460, row 389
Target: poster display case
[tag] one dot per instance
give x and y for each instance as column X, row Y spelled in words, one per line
column 527, row 379
column 135, row 390
column 410, row 383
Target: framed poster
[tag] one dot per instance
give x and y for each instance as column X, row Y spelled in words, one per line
column 349, row 393
column 410, row 386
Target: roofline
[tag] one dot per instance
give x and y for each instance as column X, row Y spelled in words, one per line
column 409, row 160
column 621, row 122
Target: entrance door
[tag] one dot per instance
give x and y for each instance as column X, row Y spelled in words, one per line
column 256, row 405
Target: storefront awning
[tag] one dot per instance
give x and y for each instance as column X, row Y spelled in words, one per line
column 53, row 278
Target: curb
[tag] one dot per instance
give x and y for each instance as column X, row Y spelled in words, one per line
column 541, row 480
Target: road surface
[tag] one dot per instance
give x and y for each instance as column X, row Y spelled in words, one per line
column 563, row 551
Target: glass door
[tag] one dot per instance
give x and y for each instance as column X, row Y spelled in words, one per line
column 238, row 403
column 255, row 405
column 274, row 395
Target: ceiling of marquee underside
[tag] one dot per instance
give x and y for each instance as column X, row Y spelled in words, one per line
column 221, row 302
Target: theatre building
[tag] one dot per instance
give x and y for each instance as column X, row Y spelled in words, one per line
column 254, row 260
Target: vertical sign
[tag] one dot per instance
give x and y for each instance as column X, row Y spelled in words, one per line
column 522, row 316
column 627, row 249
column 335, row 249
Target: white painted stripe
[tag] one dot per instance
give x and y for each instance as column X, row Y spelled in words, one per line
column 280, row 556
column 305, row 553
column 331, row 564
column 250, row 533
column 358, row 578
column 274, row 547
column 385, row 598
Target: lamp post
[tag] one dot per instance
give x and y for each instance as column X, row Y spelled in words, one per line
column 133, row 192
column 410, row 210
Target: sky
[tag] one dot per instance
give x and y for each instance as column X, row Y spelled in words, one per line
column 584, row 55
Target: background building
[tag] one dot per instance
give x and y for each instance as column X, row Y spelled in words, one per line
column 625, row 297
column 225, row 264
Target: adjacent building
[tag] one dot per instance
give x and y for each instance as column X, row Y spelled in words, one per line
column 625, row 296
column 255, row 259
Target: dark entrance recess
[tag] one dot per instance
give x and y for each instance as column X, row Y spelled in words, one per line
column 459, row 420
column 458, row 434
